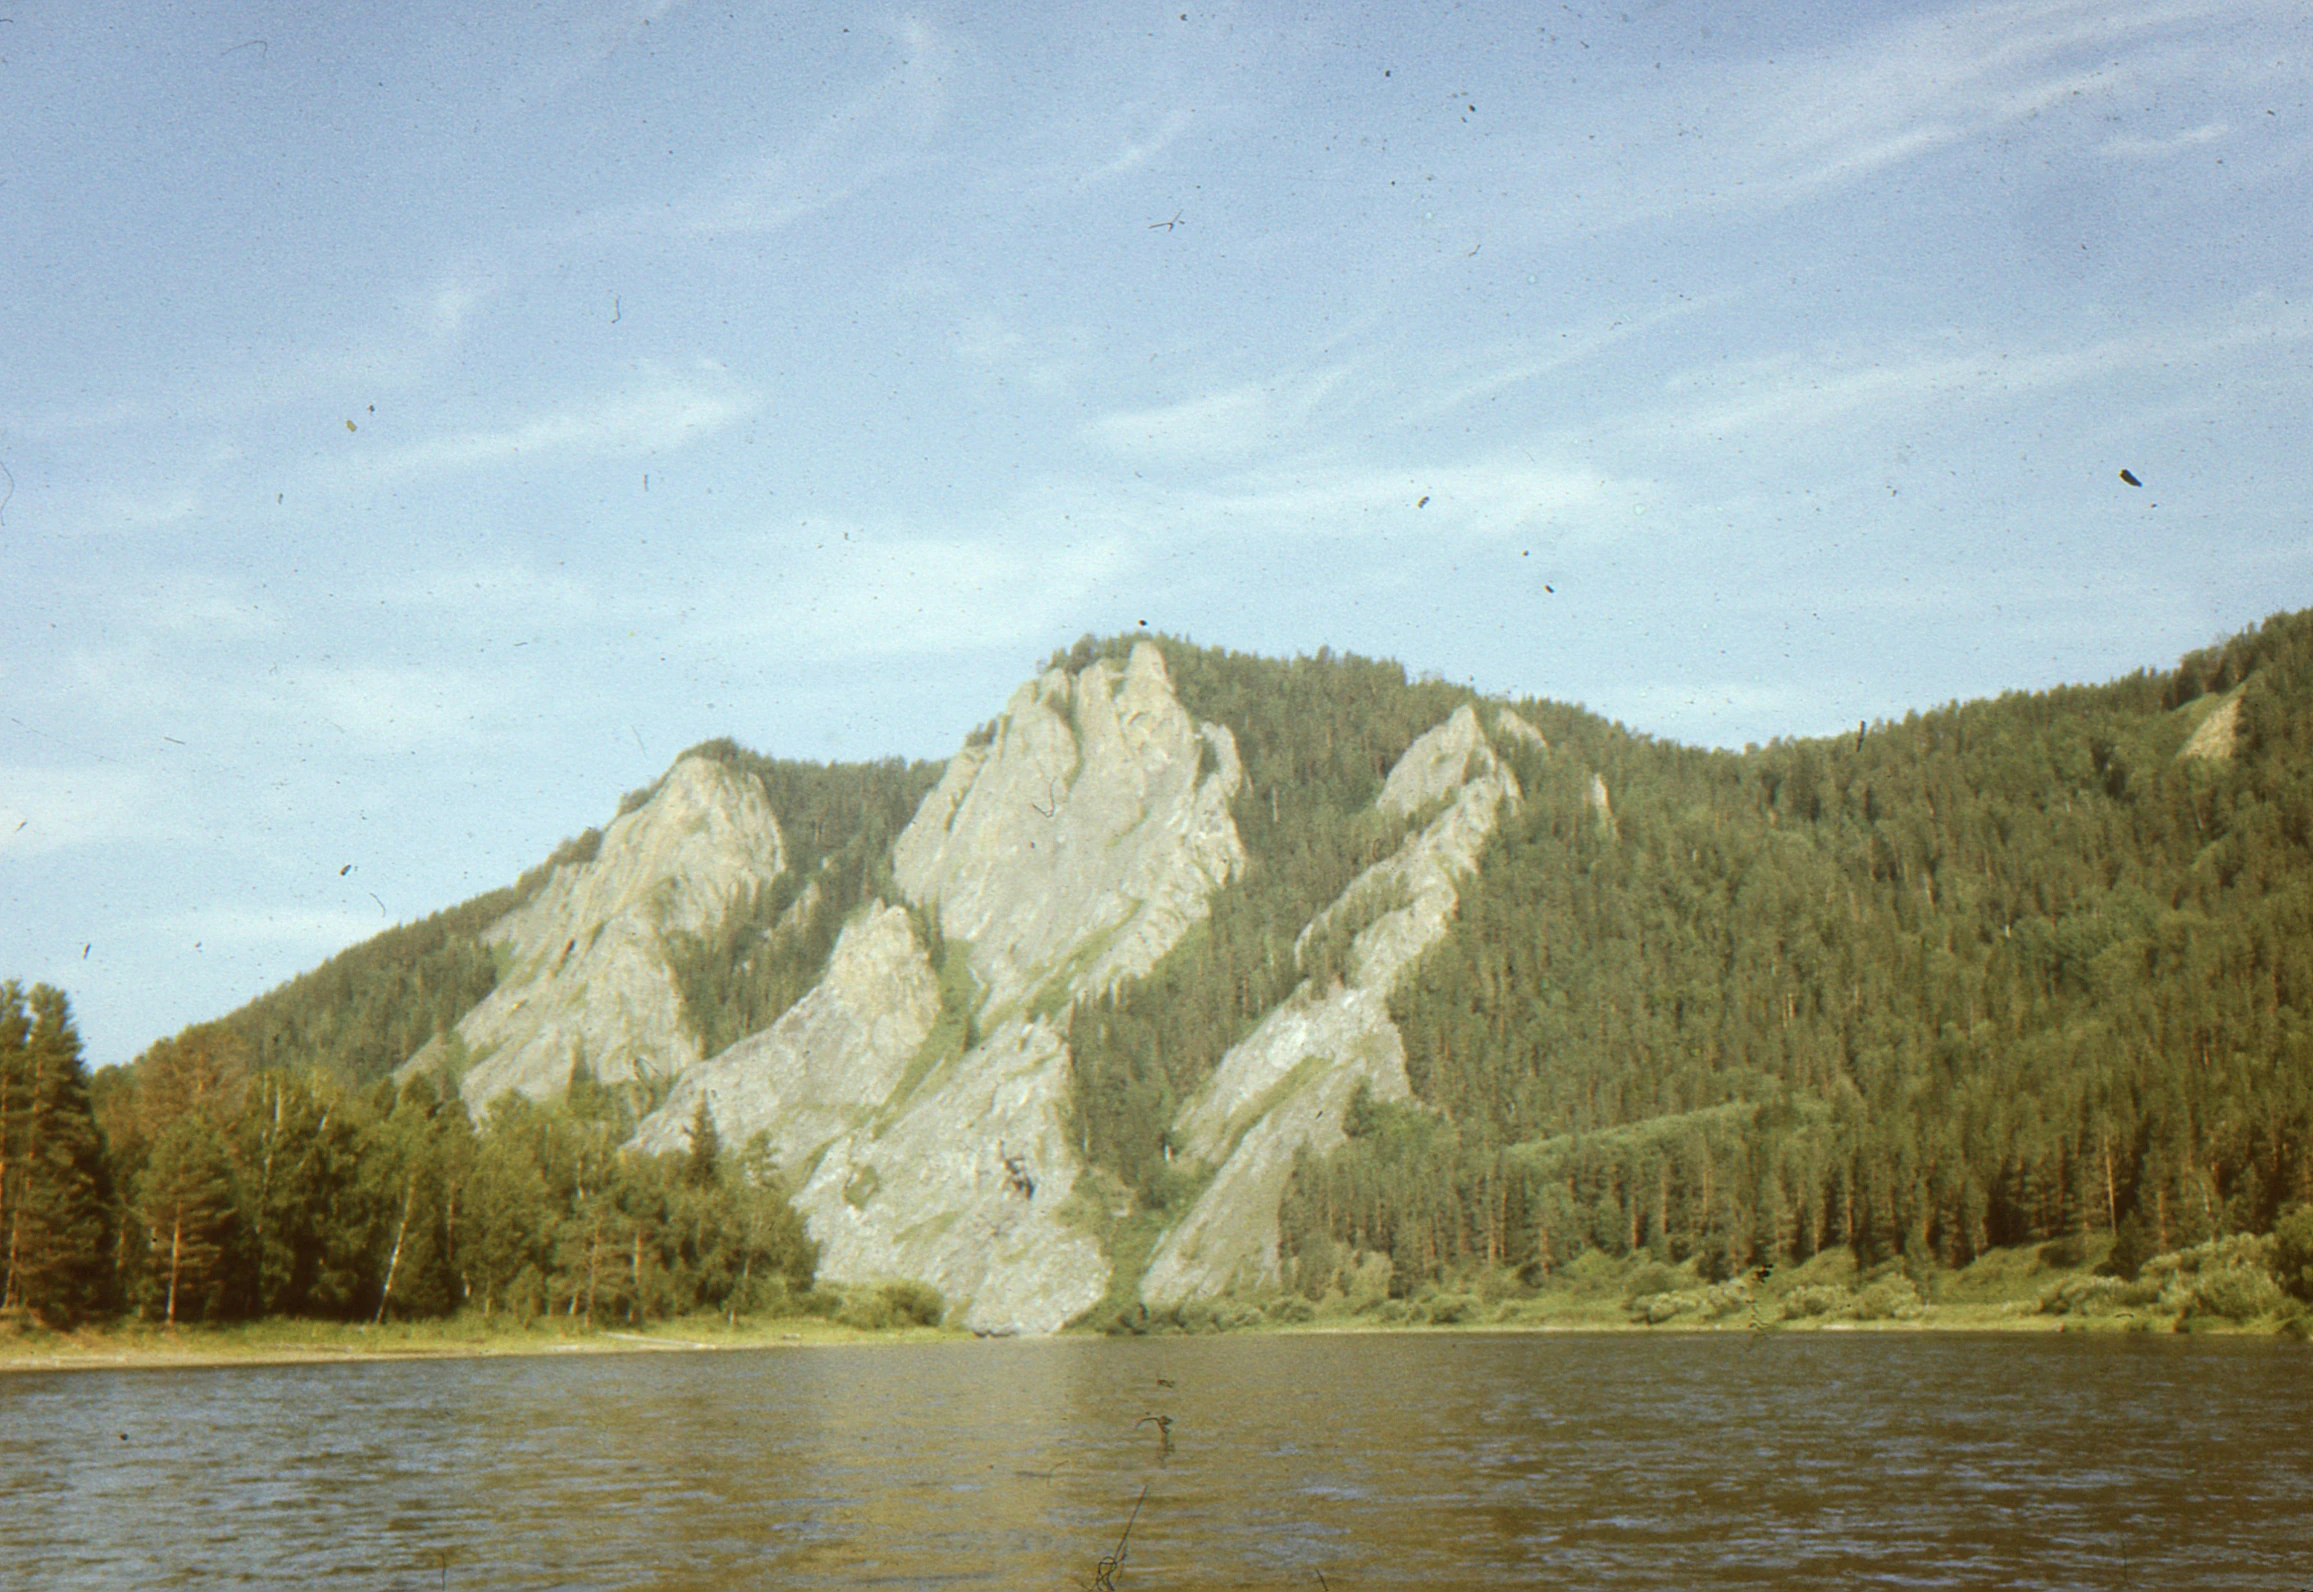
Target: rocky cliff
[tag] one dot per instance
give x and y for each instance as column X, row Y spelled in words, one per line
column 584, row 967
column 919, row 1095
column 1286, row 1086
column 1068, row 851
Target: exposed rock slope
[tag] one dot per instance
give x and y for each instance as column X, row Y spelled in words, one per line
column 1084, row 839
column 821, row 1069
column 1068, row 852
column 1288, row 1083
column 585, row 964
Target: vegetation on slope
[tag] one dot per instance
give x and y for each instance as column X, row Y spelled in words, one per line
column 1999, row 974
column 1317, row 737
column 838, row 821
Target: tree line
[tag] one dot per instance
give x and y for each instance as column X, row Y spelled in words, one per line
column 2008, row 972
column 199, row 1186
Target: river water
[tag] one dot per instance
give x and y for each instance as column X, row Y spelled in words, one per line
column 1332, row 1462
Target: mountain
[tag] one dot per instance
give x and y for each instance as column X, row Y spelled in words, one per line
column 1195, row 974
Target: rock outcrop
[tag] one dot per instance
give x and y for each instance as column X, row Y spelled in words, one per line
column 585, row 973
column 831, row 1058
column 2214, row 738
column 1066, row 853
column 1286, row 1085
column 1074, row 848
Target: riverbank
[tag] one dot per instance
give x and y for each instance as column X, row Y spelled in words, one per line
column 2048, row 1289
column 142, row 1346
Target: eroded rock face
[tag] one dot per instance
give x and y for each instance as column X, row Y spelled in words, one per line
column 1069, row 852
column 1084, row 840
column 1286, row 1085
column 823, row 1067
column 587, row 972
column 962, row 1185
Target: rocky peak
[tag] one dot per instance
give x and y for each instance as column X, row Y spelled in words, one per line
column 1084, row 839
column 585, row 960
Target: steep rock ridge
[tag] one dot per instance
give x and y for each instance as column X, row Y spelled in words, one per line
column 1286, row 1085
column 820, row 1069
column 1508, row 726
column 1084, row 839
column 1068, row 852
column 586, row 971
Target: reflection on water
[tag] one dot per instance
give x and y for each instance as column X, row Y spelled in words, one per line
column 1394, row 1461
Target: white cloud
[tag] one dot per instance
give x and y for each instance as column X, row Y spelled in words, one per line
column 1796, row 391
column 659, row 418
column 384, row 708
column 1493, row 497
column 2133, row 146
column 886, row 128
column 295, row 929
column 1139, row 151
column 499, row 591
column 1231, row 424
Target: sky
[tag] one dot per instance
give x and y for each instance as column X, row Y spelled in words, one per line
column 420, row 423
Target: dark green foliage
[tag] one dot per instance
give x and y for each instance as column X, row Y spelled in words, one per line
column 261, row 1193
column 1317, row 736
column 2293, row 1252
column 838, row 821
column 368, row 1009
column 2003, row 973
column 55, row 1187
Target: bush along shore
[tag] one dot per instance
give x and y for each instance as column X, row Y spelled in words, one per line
column 2253, row 1284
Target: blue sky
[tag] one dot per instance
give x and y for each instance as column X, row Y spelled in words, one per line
column 420, row 423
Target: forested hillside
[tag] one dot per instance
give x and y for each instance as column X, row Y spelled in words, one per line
column 2001, row 972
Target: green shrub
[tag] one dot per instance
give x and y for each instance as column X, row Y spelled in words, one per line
column 1652, row 1278
column 2236, row 1293
column 1893, row 1298
column 2064, row 1254
column 1446, row 1309
column 913, row 1304
column 2292, row 1261
column 1290, row 1308
column 1816, row 1299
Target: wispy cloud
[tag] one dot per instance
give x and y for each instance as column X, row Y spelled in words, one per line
column 1779, row 131
column 2136, row 147
column 839, row 591
column 1138, row 150
column 1492, row 497
column 47, row 809
column 665, row 415
column 1233, row 423
column 1794, row 391
column 887, row 127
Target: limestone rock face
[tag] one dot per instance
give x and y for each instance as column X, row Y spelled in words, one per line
column 829, row 1060
column 1082, row 841
column 1286, row 1085
column 587, row 972
column 1068, row 852
column 931, row 1191
column 1508, row 727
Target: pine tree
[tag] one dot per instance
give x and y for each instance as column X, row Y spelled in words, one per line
column 191, row 1222
column 54, row 1187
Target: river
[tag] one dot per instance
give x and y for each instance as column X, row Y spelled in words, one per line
column 1330, row 1462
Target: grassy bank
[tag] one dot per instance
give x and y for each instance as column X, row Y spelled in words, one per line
column 2220, row 1287
column 140, row 1344
column 2225, row 1286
